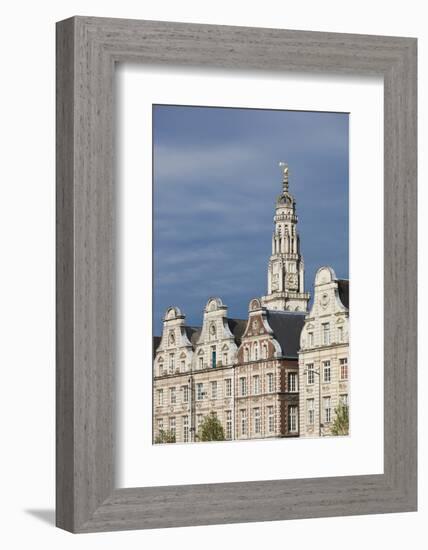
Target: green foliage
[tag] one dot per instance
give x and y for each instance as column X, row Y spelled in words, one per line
column 211, row 429
column 165, row 436
column 341, row 422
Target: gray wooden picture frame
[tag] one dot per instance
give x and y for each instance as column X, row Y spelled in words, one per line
column 87, row 50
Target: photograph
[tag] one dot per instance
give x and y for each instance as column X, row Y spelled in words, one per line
column 188, row 190
column 250, row 274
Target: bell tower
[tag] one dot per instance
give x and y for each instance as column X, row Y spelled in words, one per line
column 286, row 267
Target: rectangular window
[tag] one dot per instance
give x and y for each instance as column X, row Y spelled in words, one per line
column 201, row 362
column 185, row 394
column 160, row 397
column 243, row 422
column 213, row 357
column 344, row 368
column 183, row 365
column 256, row 352
column 310, row 406
column 327, row 372
column 344, row 399
column 171, row 362
column 257, row 421
column 243, row 386
column 270, row 382
column 160, row 425
column 172, row 426
column 310, row 373
column 271, row 419
column 228, row 424
column 292, row 419
column 327, row 409
column 172, row 396
column 326, row 334
column 292, row 382
column 214, row 390
column 228, row 387
column 340, row 334
column 224, row 358
column 264, row 351
column 185, row 429
column 310, row 339
column 199, row 391
column 256, row 384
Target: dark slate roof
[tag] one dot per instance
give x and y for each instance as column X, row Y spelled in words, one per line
column 287, row 326
column 237, row 328
column 156, row 342
column 343, row 285
column 193, row 334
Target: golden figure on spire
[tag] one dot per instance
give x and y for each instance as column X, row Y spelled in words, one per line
column 284, row 167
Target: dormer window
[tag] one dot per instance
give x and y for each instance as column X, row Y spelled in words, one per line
column 264, row 351
column 326, row 334
column 213, row 357
column 256, row 352
column 171, row 339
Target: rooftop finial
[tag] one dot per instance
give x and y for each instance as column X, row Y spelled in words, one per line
column 284, row 167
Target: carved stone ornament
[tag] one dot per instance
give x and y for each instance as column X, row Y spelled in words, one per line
column 324, row 300
column 292, row 280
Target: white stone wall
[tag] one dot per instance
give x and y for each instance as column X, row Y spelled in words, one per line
column 285, row 285
column 193, row 408
column 317, row 351
column 215, row 337
column 175, row 351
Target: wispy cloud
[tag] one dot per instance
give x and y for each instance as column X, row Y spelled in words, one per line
column 184, row 163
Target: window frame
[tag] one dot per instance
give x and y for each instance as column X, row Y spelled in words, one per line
column 326, row 371
column 326, row 333
column 293, row 382
column 343, row 367
column 293, row 419
column 257, row 417
column 310, row 374
column 270, row 382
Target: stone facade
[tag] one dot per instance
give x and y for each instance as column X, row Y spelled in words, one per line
column 201, row 377
column 324, row 355
column 265, row 376
column 251, row 385
column 266, row 379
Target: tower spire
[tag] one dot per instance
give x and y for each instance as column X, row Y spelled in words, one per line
column 286, row 267
column 284, row 167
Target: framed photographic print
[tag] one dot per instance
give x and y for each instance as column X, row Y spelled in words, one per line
column 218, row 191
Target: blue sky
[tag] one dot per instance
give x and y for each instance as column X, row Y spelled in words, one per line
column 216, row 178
